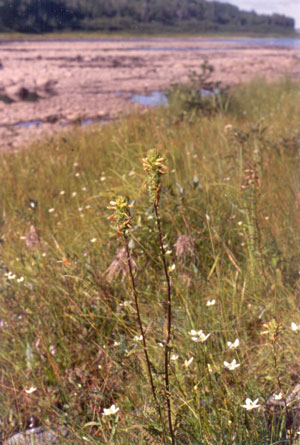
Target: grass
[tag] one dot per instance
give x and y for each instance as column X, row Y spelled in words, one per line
column 94, row 35
column 230, row 215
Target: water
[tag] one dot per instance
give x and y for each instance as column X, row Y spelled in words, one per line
column 236, row 42
column 155, row 99
column 29, row 124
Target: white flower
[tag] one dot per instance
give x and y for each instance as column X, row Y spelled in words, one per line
column 295, row 327
column 19, row 280
column 109, row 411
column 62, row 192
column 131, row 173
column 83, row 189
column 74, row 194
column 102, row 178
column 51, row 210
column 278, row 396
column 198, row 336
column 233, row 345
column 77, row 174
column 30, row 390
column 171, row 268
column 10, row 276
column 250, row 405
column 188, row 362
column 174, row 357
column 231, row 366
column 93, row 240
column 210, row 303
column 138, row 338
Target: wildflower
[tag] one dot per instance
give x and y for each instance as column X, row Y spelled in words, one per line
column 52, row 350
column 93, row 240
column 188, row 362
column 10, row 276
column 233, row 345
column 209, row 367
column 277, row 396
column 75, row 164
column 88, row 207
column 138, row 338
column 198, row 336
column 231, row 366
column 109, row 411
column 125, row 304
column 227, row 127
column 19, row 280
column 295, row 327
column 131, row 173
column 102, row 178
column 250, row 405
column 83, row 189
column 62, row 192
column 51, row 210
column 74, row 194
column 168, row 252
column 210, row 303
column 174, row 357
column 121, row 215
column 172, row 268
column 30, row 390
column 154, row 167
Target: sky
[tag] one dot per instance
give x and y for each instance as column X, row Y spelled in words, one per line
column 290, row 8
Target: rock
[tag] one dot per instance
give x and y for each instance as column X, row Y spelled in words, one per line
column 36, row 436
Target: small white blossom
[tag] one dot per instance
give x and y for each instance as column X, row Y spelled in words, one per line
column 74, row 194
column 83, row 189
column 295, row 327
column 77, row 174
column 131, row 173
column 250, row 405
column 210, row 303
column 138, row 338
column 172, row 268
column 51, row 210
column 30, row 390
column 109, row 411
column 277, row 396
column 231, row 366
column 52, row 350
column 174, row 357
column 62, row 192
column 19, row 280
column 198, row 336
column 93, row 240
column 233, row 345
column 102, row 178
column 188, row 362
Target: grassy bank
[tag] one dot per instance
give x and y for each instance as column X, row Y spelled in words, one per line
column 70, row 343
column 81, row 35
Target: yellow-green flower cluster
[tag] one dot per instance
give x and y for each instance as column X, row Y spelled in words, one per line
column 154, row 167
column 121, row 215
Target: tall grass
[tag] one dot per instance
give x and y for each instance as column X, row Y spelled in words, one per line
column 229, row 208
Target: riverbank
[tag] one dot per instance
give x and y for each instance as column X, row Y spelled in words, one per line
column 55, row 84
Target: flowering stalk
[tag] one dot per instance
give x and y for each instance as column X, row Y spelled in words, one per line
column 155, row 169
column 122, row 218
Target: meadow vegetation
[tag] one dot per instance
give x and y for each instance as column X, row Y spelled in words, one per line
column 71, row 351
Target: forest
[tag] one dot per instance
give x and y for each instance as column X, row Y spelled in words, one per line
column 40, row 16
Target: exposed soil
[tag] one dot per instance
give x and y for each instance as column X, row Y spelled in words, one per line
column 63, row 82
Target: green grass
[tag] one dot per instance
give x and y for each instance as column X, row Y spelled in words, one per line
column 65, row 329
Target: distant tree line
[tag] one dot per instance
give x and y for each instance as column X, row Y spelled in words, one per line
column 40, row 16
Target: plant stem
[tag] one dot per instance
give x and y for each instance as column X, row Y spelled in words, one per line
column 141, row 327
column 169, row 323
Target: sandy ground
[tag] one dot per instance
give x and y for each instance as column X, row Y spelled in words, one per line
column 79, row 80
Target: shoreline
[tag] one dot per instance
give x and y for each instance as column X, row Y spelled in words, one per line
column 74, row 81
